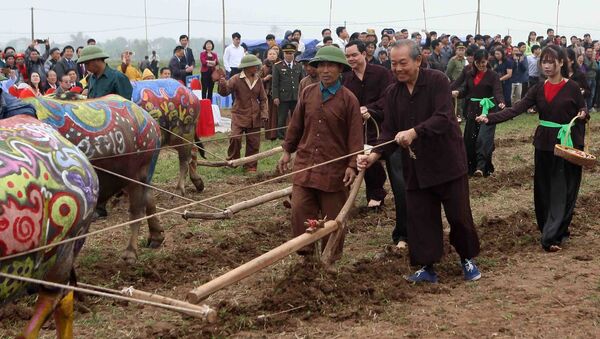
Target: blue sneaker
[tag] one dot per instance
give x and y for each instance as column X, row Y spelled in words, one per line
column 470, row 271
column 422, row 275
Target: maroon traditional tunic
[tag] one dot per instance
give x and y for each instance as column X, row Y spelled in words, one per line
column 439, row 149
column 249, row 109
column 438, row 175
column 320, row 131
column 324, row 130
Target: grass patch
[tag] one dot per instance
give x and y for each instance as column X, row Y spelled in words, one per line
column 167, row 168
column 92, row 256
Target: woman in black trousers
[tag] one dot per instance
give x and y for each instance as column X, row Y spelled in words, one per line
column 481, row 88
column 556, row 181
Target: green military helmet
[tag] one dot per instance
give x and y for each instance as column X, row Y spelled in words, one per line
column 331, row 54
column 91, row 53
column 250, row 60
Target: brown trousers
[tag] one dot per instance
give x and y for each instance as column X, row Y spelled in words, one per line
column 235, row 143
column 310, row 203
column 425, row 233
column 272, row 123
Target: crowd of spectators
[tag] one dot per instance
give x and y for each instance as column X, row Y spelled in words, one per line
column 49, row 69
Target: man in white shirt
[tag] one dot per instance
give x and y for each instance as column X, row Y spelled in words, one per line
column 325, row 32
column 533, row 68
column 342, row 38
column 297, row 37
column 233, row 55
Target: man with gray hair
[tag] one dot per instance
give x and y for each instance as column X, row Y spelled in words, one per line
column 418, row 115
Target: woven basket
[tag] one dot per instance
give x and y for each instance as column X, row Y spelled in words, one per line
column 574, row 155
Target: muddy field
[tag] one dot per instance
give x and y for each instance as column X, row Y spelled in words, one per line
column 524, row 291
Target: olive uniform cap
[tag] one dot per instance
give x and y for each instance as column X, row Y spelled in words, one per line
column 289, row 47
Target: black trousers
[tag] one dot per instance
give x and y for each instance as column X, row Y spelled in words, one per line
column 525, row 89
column 394, row 168
column 284, row 110
column 556, row 186
column 506, row 90
column 479, row 143
column 207, row 85
column 374, row 180
column 425, row 230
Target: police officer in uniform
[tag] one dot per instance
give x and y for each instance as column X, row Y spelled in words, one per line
column 286, row 79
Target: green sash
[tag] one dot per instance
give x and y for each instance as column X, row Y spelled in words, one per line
column 486, row 104
column 563, row 133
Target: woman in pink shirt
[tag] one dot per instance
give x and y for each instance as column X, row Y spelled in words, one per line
column 209, row 61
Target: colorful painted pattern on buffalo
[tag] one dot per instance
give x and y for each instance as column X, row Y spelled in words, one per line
column 104, row 127
column 173, row 105
column 49, row 192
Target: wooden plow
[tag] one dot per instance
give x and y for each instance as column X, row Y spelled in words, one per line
column 241, row 161
column 233, row 209
column 337, row 227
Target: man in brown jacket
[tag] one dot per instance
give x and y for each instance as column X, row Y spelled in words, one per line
column 418, row 115
column 249, row 111
column 311, row 72
column 326, row 125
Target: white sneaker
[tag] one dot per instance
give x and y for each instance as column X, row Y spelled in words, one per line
column 374, row 203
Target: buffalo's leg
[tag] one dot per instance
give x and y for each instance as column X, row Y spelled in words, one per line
column 155, row 229
column 63, row 316
column 193, row 164
column 42, row 310
column 137, row 206
column 184, row 158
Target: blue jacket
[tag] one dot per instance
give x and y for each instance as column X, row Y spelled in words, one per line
column 520, row 71
column 11, row 106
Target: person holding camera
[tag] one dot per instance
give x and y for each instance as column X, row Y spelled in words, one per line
column 34, row 63
column 520, row 73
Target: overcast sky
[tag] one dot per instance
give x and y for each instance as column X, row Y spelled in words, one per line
column 107, row 19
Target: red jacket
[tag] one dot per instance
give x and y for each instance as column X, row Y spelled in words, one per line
column 204, row 59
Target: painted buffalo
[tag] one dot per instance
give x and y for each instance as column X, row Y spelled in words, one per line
column 49, row 192
column 176, row 109
column 116, row 135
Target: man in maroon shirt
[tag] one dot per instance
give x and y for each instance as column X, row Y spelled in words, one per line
column 326, row 125
column 368, row 83
column 418, row 115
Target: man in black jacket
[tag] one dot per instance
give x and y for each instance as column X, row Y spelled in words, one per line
column 66, row 62
column 177, row 64
column 188, row 55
